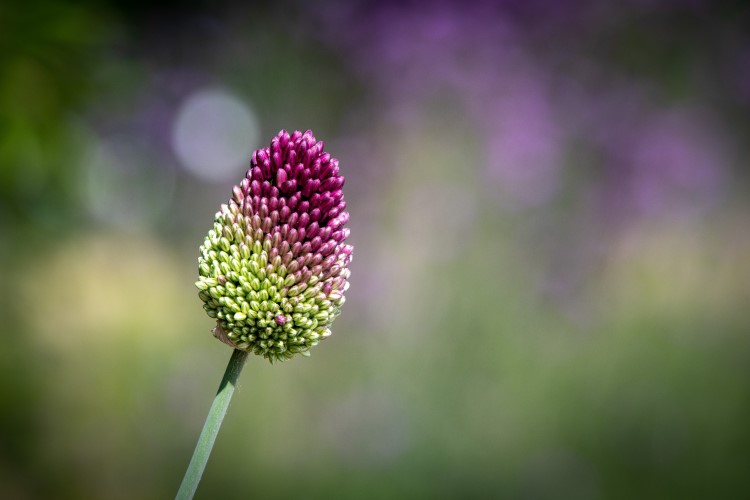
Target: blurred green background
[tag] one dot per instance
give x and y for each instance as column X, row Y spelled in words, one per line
column 549, row 208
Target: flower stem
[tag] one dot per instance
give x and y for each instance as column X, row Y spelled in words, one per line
column 212, row 425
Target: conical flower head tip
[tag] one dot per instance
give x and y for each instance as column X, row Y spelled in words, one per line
column 274, row 268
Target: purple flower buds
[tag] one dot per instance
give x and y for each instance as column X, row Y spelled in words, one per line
column 274, row 268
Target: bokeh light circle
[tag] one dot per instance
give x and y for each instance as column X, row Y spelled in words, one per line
column 214, row 134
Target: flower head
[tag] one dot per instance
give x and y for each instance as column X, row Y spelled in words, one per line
column 274, row 268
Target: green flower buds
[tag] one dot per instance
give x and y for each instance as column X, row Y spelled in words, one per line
column 274, row 268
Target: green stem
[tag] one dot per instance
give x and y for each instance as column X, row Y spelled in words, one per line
column 211, row 427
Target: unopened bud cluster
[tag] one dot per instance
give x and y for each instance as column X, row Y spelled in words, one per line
column 274, row 268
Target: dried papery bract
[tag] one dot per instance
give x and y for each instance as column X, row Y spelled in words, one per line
column 274, row 268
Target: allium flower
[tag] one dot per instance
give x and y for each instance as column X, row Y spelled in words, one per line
column 274, row 268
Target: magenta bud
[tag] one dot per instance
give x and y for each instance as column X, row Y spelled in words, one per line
column 309, row 155
column 261, row 155
column 312, row 229
column 289, row 186
column 275, row 160
column 315, row 200
column 335, row 224
column 257, row 174
column 304, row 220
column 315, row 170
column 280, row 177
column 293, row 220
column 326, row 202
column 307, row 190
column 296, row 248
column 326, row 249
column 328, row 184
column 284, row 214
column 325, row 170
column 292, row 202
column 303, row 177
column 263, row 210
column 328, row 261
column 298, row 169
column 315, row 243
column 255, row 188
